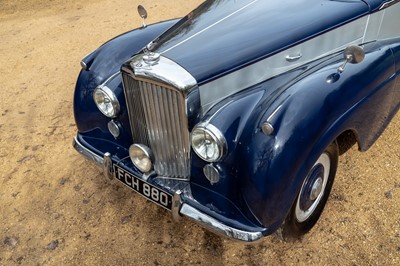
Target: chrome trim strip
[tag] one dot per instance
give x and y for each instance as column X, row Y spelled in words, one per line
column 110, row 78
column 388, row 3
column 269, row 119
column 217, row 227
column 87, row 153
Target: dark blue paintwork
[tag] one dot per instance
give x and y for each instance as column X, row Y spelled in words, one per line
column 101, row 64
column 375, row 4
column 261, row 175
column 271, row 168
column 314, row 114
column 93, row 132
column 106, row 60
column 254, row 32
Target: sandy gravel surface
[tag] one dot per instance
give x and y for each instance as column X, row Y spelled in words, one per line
column 57, row 208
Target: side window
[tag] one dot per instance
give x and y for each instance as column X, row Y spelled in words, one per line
column 389, row 27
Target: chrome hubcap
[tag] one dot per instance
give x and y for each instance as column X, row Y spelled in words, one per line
column 313, row 188
column 316, row 189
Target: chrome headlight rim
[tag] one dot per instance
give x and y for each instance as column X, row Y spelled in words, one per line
column 113, row 101
column 217, row 137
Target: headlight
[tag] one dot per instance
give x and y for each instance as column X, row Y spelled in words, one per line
column 208, row 142
column 106, row 101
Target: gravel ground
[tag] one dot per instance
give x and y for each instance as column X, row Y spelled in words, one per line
column 57, row 208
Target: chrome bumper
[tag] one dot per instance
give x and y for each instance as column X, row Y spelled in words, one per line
column 87, row 153
column 180, row 208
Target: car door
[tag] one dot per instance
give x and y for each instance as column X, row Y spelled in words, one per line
column 381, row 97
column 389, row 31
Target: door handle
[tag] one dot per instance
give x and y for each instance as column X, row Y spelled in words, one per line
column 292, row 58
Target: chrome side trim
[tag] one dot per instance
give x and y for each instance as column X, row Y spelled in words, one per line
column 271, row 117
column 217, row 227
column 87, row 153
column 388, row 3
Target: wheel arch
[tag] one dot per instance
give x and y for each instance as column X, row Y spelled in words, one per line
column 102, row 64
column 347, row 139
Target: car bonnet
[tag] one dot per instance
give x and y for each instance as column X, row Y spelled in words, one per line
column 222, row 36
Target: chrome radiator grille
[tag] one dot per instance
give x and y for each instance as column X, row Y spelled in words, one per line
column 158, row 120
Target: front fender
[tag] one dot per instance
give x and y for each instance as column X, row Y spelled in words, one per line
column 108, row 58
column 310, row 114
column 249, row 152
column 313, row 113
column 103, row 63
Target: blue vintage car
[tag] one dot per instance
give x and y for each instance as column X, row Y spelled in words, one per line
column 234, row 116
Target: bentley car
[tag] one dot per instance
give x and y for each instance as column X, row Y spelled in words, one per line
column 234, row 116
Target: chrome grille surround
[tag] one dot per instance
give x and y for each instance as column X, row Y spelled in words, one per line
column 156, row 95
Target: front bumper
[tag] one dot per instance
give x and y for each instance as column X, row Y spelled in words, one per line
column 183, row 203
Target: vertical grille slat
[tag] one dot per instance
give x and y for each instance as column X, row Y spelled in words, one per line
column 158, row 120
column 161, row 126
column 139, row 130
column 180, row 148
column 170, row 128
column 174, row 135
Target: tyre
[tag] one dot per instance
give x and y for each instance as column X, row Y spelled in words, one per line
column 313, row 195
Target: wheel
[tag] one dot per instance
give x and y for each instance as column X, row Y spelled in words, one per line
column 313, row 195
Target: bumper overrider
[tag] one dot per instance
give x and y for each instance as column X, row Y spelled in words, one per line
column 173, row 195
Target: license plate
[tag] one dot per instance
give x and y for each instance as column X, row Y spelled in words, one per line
column 148, row 191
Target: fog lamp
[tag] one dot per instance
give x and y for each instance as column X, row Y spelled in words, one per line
column 141, row 157
column 211, row 173
column 114, row 128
